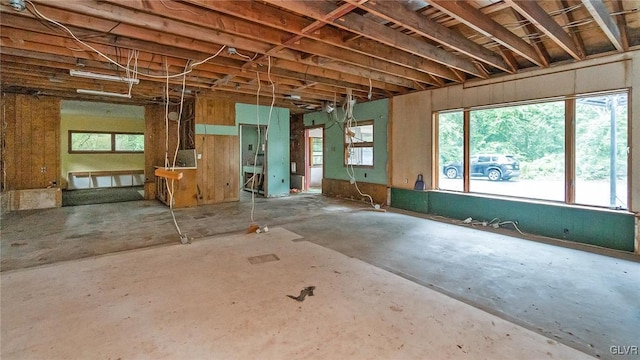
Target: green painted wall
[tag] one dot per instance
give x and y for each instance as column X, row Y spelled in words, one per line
column 411, row 200
column 334, row 167
column 278, row 177
column 600, row 227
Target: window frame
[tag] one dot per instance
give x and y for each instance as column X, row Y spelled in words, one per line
column 361, row 144
column 113, row 135
column 313, row 153
column 569, row 149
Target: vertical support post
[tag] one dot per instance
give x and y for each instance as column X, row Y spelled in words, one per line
column 637, row 241
column 570, row 151
column 613, row 151
column 435, row 151
column 467, row 149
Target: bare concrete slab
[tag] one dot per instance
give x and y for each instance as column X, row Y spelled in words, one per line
column 207, row 300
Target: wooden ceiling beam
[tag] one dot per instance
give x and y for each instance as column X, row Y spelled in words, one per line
column 288, row 21
column 368, row 28
column 225, row 27
column 205, row 70
column 345, row 79
column 475, row 19
column 573, row 31
column 532, row 11
column 509, row 58
column 622, row 24
column 400, row 15
column 117, row 38
column 601, row 15
column 451, row 21
column 534, row 35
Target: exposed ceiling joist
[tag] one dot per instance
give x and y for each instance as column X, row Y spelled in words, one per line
column 475, row 19
column 532, row 11
column 605, row 21
column 400, row 15
column 320, row 50
column 373, row 30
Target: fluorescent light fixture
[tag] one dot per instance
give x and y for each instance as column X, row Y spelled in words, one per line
column 102, row 93
column 90, row 75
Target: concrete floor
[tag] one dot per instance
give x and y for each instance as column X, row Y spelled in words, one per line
column 581, row 299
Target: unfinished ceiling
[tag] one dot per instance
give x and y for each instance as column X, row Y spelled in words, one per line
column 307, row 53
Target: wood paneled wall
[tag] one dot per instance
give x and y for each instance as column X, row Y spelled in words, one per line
column 30, row 142
column 218, row 169
column 154, row 144
column 213, row 111
column 219, row 165
column 345, row 190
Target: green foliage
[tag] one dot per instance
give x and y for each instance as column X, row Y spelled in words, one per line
column 535, row 134
column 90, row 142
column 129, row 142
column 528, row 131
column 103, row 142
column 549, row 167
column 451, row 137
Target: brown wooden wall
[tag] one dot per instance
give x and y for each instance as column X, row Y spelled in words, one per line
column 154, row 144
column 218, row 169
column 212, row 111
column 219, row 165
column 345, row 190
column 30, row 142
column 297, row 143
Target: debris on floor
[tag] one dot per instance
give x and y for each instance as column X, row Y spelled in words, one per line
column 303, row 293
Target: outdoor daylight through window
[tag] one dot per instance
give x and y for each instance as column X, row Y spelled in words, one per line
column 520, row 150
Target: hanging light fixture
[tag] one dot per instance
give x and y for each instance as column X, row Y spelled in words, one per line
column 90, row 75
column 102, row 93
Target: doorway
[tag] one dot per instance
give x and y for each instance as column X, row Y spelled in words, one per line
column 253, row 157
column 314, row 159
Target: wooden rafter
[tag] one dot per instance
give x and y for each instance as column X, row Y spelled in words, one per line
column 225, row 31
column 601, row 15
column 373, row 30
column 573, row 31
column 474, row 18
column 398, row 65
column 534, row 35
column 532, row 11
column 318, row 49
column 423, row 26
column 622, row 24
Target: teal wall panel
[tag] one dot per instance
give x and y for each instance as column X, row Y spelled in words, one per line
column 600, row 227
column 204, row 129
column 412, row 200
column 278, row 182
column 334, row 167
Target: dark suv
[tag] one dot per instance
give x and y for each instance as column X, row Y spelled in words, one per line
column 494, row 166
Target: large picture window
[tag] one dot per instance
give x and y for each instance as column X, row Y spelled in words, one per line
column 105, row 142
column 601, row 150
column 573, row 150
column 358, row 144
column 518, row 151
column 451, row 146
